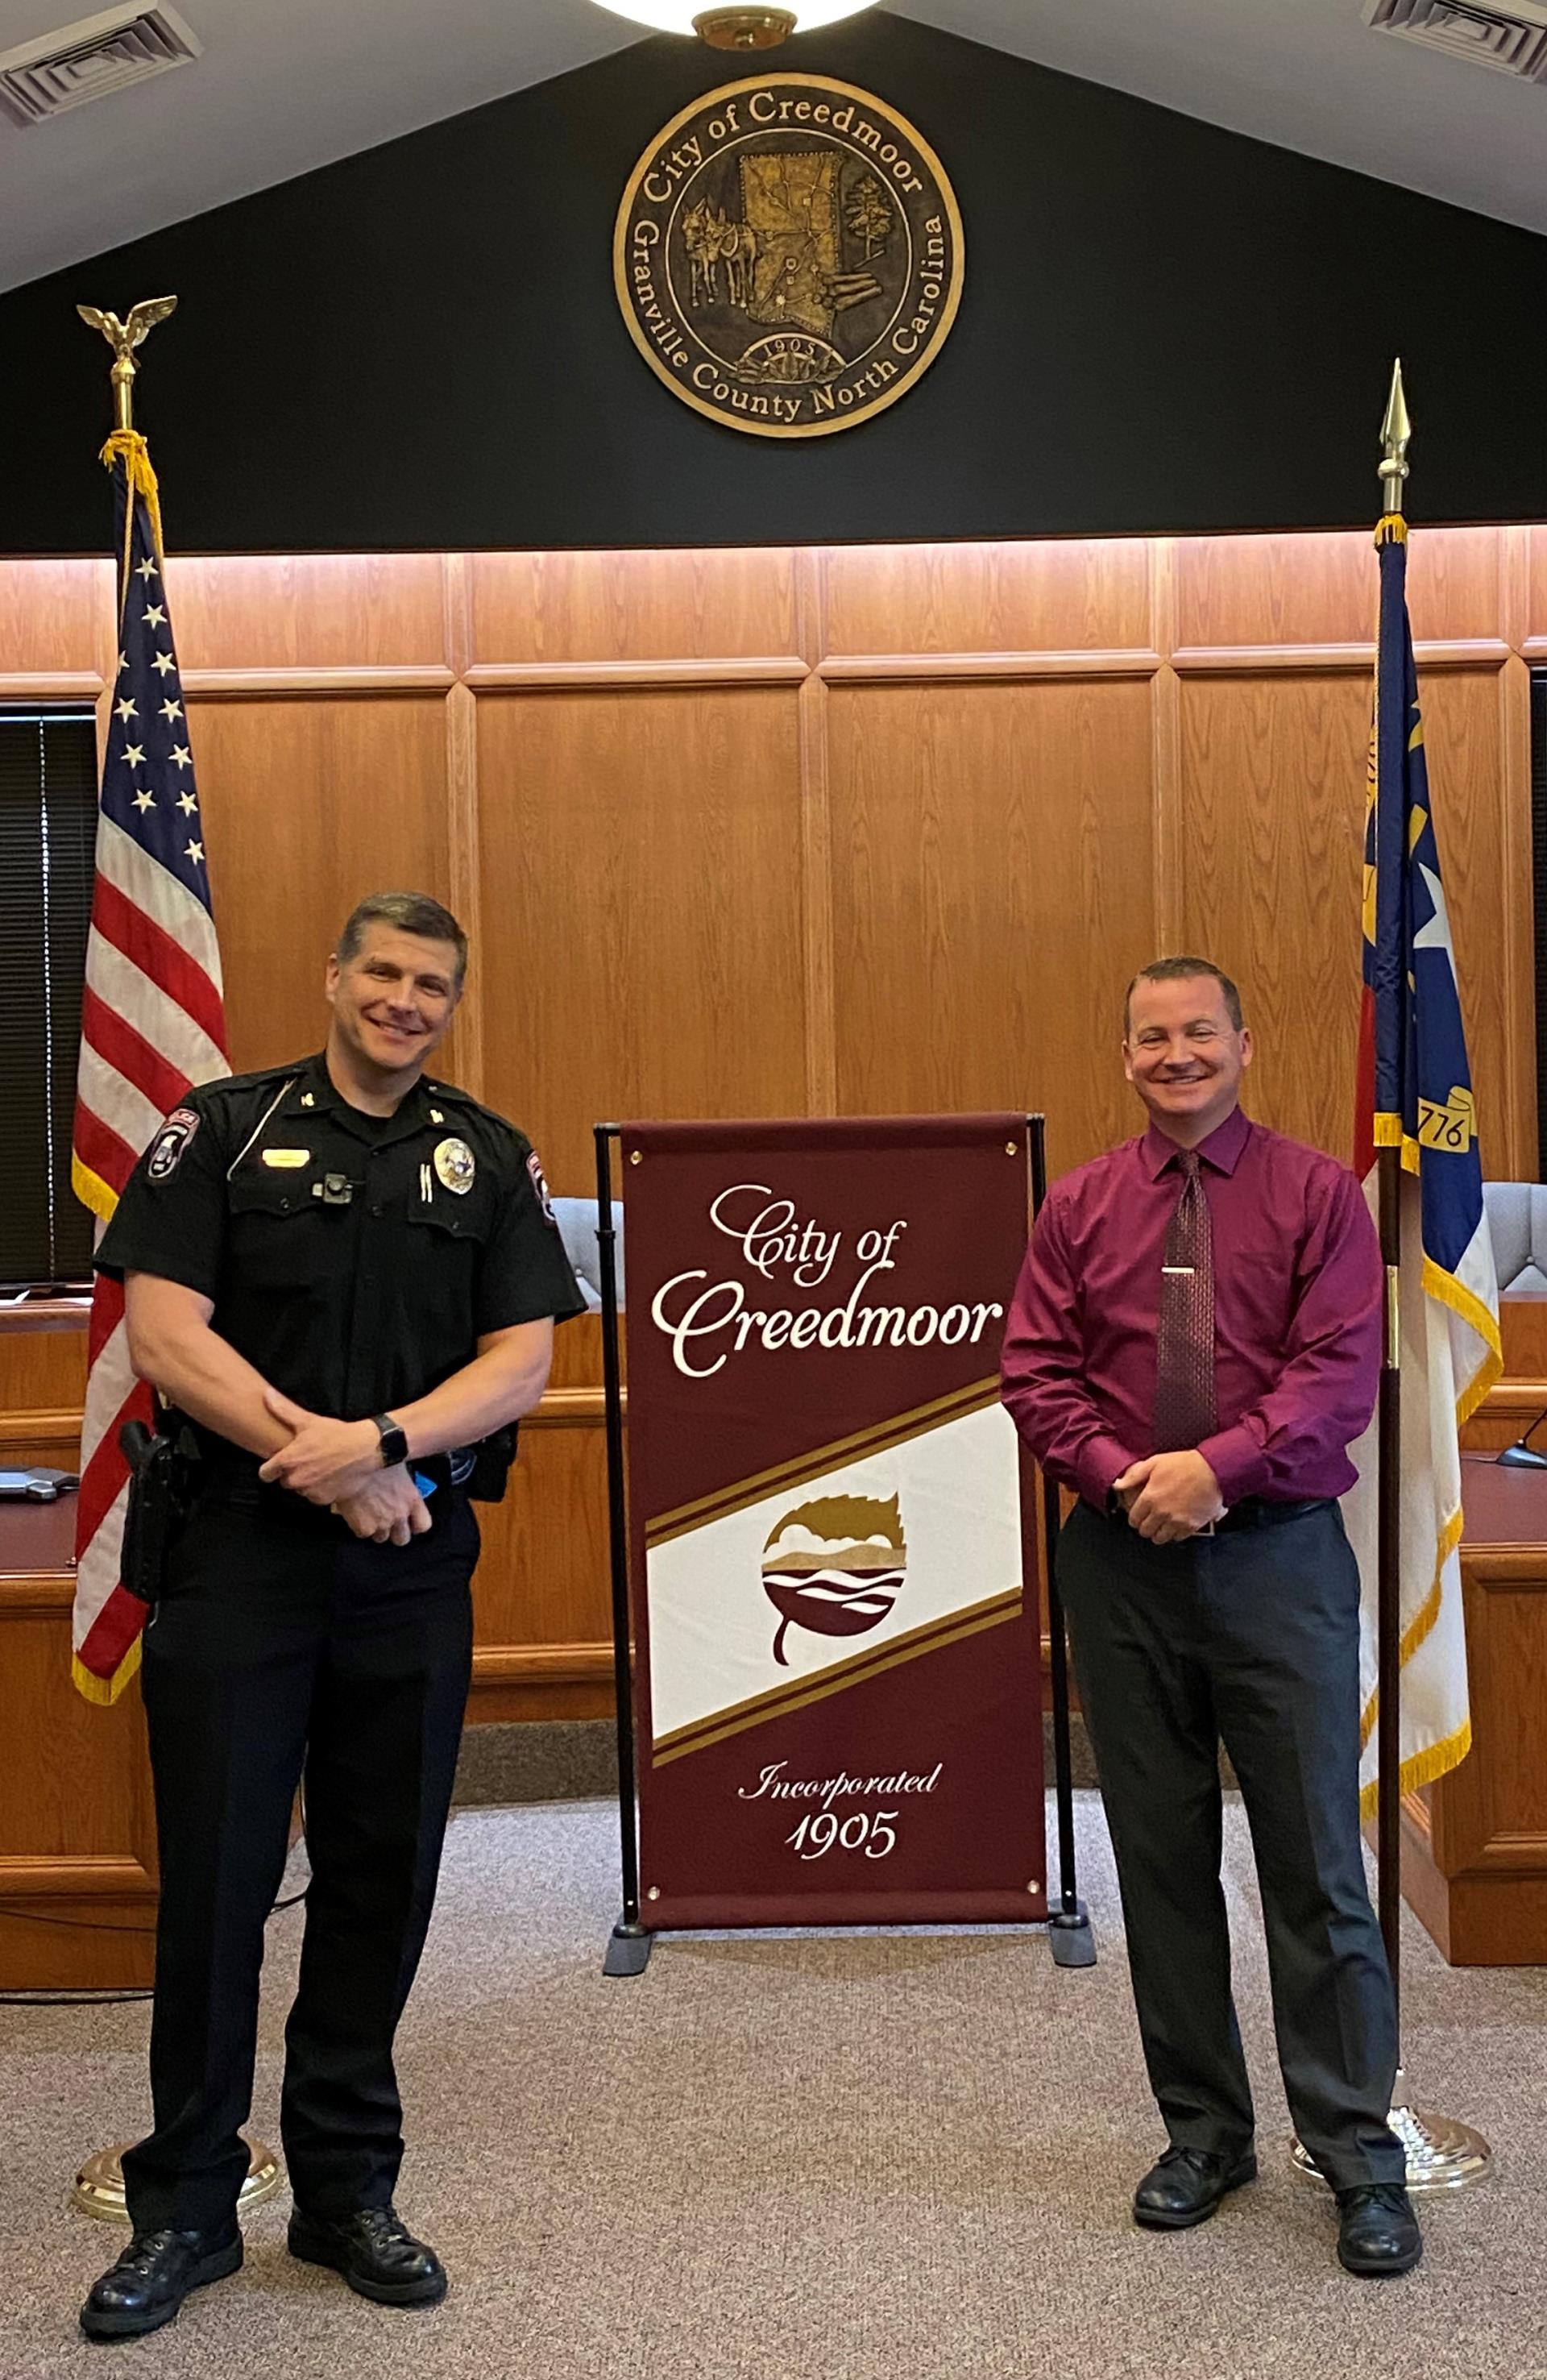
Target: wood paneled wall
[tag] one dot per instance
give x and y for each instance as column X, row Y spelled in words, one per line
column 763, row 832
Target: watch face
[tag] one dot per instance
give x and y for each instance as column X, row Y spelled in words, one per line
column 394, row 1445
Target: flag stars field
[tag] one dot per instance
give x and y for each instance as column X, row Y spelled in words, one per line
column 134, row 754
column 144, row 801
column 146, row 569
column 196, row 851
column 186, row 803
column 171, row 711
column 163, row 663
column 154, row 617
column 182, row 756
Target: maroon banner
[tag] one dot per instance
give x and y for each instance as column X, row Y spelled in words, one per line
column 837, row 1672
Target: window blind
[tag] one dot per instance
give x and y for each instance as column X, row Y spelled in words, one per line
column 48, row 820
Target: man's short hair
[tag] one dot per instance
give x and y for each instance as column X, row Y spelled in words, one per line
column 1179, row 971
column 411, row 913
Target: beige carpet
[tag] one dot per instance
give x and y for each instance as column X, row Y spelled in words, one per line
column 867, row 2159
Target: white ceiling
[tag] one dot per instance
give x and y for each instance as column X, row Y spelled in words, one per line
column 1305, row 74
column 286, row 85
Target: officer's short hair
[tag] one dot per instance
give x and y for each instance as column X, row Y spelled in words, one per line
column 411, row 913
column 1180, row 971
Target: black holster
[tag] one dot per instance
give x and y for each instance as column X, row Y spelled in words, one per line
column 161, row 1480
column 493, row 1458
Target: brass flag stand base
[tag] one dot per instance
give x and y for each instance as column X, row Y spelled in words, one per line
column 1441, row 2153
column 98, row 2186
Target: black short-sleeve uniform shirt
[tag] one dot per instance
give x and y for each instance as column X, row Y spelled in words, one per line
column 355, row 1260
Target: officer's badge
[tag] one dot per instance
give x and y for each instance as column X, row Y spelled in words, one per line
column 534, row 1169
column 167, row 1153
column 455, row 1166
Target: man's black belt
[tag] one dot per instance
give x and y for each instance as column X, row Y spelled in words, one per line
column 1267, row 1512
column 1255, row 1513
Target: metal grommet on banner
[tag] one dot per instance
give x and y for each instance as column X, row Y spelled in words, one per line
column 654, row 1892
column 1012, row 1149
column 634, row 1155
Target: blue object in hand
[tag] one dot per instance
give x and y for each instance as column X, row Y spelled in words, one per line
column 426, row 1487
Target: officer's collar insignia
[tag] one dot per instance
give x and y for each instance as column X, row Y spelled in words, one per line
column 436, row 1117
column 287, row 1158
column 454, row 1165
column 307, row 1099
column 170, row 1141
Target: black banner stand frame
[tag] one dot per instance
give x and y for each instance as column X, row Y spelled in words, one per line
column 628, row 1947
column 1069, row 1936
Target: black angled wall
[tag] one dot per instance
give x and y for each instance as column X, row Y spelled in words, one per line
column 1164, row 328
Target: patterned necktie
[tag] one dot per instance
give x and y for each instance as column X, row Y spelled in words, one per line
column 1184, row 1405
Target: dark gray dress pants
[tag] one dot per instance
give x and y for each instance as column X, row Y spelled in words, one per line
column 1249, row 1636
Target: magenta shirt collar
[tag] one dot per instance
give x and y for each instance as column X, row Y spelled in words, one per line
column 1222, row 1148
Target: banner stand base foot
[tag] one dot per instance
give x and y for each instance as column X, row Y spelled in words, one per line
column 628, row 1950
column 1069, row 1936
column 1443, row 2154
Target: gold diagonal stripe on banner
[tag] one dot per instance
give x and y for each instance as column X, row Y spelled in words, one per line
column 800, row 1467
column 971, row 1620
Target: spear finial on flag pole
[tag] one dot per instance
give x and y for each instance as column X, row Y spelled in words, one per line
column 1396, row 430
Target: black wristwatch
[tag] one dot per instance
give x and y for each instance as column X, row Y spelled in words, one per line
column 394, row 1441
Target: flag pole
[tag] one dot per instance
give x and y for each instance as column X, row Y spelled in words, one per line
column 99, row 2184
column 1396, row 430
column 1441, row 2153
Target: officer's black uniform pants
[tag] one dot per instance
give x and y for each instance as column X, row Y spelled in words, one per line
column 1251, row 1636
column 282, row 1641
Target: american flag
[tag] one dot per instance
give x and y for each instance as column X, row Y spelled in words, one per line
column 153, row 1024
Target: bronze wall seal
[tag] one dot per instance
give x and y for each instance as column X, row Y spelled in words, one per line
column 788, row 256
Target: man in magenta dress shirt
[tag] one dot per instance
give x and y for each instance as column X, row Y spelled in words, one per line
column 1194, row 1345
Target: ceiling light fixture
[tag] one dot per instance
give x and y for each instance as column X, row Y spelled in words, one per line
column 736, row 24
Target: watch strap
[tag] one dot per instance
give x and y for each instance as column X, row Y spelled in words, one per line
column 394, row 1437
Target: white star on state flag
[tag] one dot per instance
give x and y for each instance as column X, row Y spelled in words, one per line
column 171, row 711
column 146, row 569
column 144, row 801
column 134, row 754
column 1435, row 935
column 162, row 662
column 154, row 616
column 126, row 710
column 183, row 757
column 123, row 664
column 196, row 851
column 186, row 803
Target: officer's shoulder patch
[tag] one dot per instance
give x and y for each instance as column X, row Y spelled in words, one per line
column 167, row 1148
column 534, row 1168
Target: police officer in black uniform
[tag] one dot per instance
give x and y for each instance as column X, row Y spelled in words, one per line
column 343, row 1279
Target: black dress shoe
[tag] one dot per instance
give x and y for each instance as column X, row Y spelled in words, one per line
column 375, row 2251
column 1186, row 2187
column 152, row 2277
column 1377, row 2230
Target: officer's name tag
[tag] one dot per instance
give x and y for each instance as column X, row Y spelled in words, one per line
column 286, row 1159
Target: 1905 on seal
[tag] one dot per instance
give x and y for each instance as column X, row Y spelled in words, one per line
column 788, row 256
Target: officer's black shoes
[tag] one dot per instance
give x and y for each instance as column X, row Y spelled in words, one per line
column 375, row 2251
column 1186, row 2187
column 152, row 2277
column 1377, row 2230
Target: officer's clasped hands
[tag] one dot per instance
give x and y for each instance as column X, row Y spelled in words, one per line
column 338, row 1463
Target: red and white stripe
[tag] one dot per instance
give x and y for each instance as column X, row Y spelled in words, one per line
column 153, row 1024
